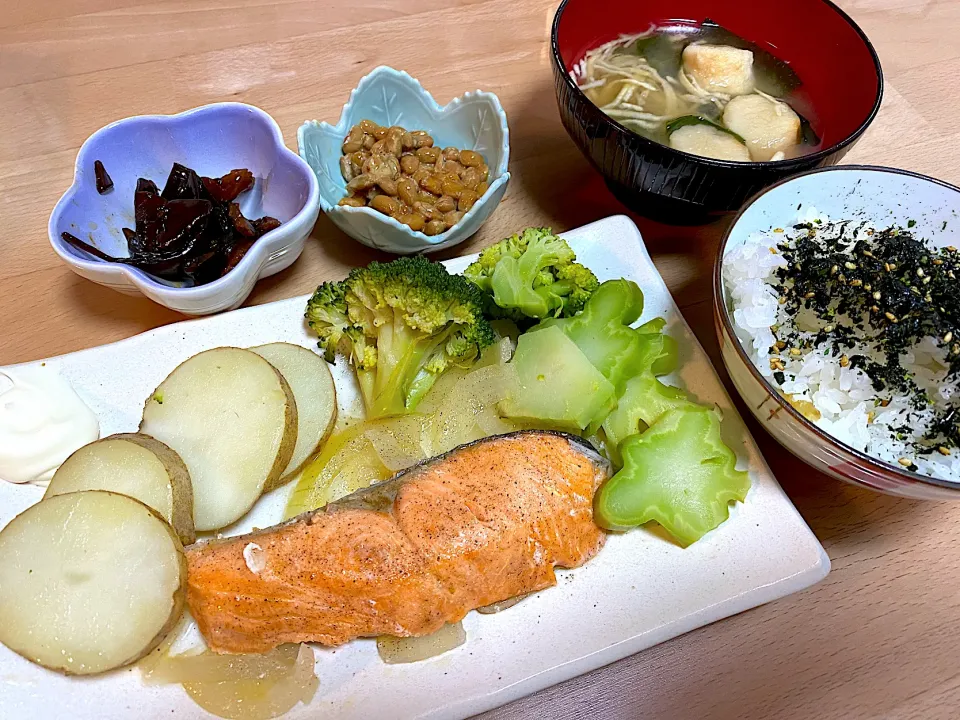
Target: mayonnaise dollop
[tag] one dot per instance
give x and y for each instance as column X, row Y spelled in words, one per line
column 42, row 421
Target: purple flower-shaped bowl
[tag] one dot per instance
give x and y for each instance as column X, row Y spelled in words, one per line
column 212, row 140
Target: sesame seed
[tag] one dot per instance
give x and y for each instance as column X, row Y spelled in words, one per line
column 906, row 462
column 850, row 266
column 926, row 280
column 877, row 295
column 948, row 337
column 830, row 329
column 919, row 272
column 809, row 295
column 943, row 451
column 844, row 361
column 867, row 253
column 856, row 283
column 938, row 261
column 795, row 352
column 833, row 270
column 890, row 316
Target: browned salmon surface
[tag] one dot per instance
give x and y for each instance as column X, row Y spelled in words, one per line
column 485, row 522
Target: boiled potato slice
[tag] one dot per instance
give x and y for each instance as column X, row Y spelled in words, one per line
column 768, row 126
column 137, row 466
column 90, row 581
column 312, row 384
column 709, row 142
column 720, row 68
column 232, row 418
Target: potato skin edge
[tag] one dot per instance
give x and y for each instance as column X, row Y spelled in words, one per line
column 176, row 611
column 287, row 477
column 177, row 474
column 288, row 441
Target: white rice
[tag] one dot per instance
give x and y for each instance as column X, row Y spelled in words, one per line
column 843, row 396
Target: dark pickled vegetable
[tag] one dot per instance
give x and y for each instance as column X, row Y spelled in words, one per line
column 227, row 188
column 104, row 182
column 182, row 184
column 147, row 186
column 236, row 254
column 240, row 223
column 192, row 231
column 265, row 225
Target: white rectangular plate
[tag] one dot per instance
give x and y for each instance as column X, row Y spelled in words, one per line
column 639, row 591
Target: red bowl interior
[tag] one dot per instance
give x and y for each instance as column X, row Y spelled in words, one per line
column 830, row 54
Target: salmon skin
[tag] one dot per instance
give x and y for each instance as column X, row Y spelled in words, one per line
column 483, row 523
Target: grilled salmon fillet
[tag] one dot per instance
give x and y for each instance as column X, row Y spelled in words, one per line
column 483, row 523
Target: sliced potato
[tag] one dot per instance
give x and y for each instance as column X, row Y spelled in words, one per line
column 135, row 465
column 233, row 419
column 768, row 125
column 90, row 581
column 312, row 384
column 709, row 142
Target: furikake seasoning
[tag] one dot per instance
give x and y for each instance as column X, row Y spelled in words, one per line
column 887, row 289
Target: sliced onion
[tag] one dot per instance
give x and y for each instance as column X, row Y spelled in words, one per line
column 460, row 408
column 490, row 423
column 255, row 687
column 398, row 441
column 496, row 607
column 348, row 462
column 500, row 352
column 395, row 650
column 208, row 667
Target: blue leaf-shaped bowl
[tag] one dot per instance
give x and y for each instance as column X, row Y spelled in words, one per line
column 473, row 121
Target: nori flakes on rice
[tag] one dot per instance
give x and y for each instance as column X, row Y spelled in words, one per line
column 859, row 328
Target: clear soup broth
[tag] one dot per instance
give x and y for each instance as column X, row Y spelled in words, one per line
column 704, row 90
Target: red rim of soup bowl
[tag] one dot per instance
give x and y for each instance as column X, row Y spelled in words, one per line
column 815, row 37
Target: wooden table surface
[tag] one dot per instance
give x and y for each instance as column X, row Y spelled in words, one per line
column 879, row 638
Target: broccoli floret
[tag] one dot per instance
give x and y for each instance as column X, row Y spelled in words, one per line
column 400, row 324
column 327, row 315
column 533, row 274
